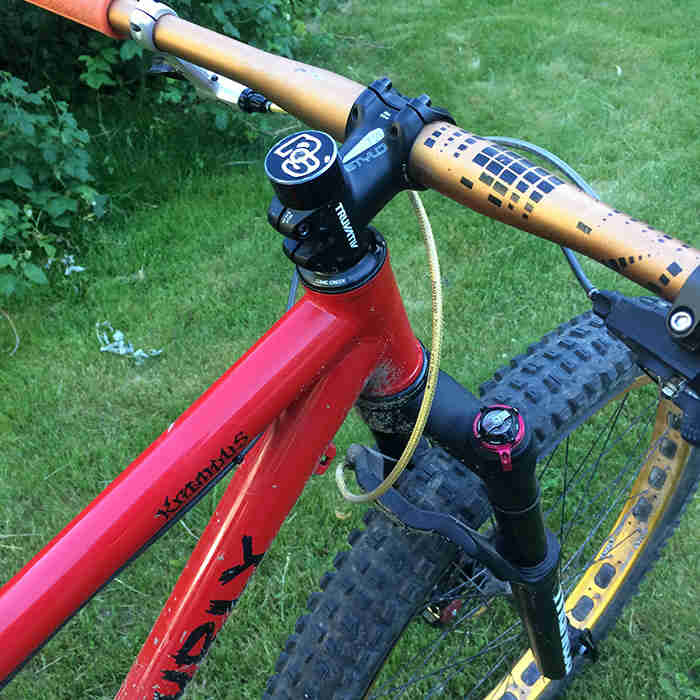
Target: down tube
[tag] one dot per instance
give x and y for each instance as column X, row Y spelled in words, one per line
column 256, row 502
column 160, row 483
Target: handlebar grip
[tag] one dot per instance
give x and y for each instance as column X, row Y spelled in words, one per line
column 91, row 13
column 505, row 185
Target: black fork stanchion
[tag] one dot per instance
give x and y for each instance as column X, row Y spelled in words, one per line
column 495, row 442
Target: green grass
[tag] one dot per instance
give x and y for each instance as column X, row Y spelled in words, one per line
column 187, row 262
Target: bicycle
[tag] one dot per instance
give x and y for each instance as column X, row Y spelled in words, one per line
column 434, row 464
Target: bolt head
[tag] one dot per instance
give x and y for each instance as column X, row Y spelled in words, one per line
column 681, row 321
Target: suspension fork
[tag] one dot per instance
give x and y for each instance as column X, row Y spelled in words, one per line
column 495, row 442
column 502, row 440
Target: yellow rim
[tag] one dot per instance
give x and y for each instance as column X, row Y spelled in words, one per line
column 647, row 501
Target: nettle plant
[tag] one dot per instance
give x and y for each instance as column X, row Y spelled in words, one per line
column 44, row 182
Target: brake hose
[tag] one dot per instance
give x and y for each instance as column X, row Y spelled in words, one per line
column 565, row 168
column 434, row 363
column 433, row 368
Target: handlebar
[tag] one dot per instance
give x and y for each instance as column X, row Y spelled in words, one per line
column 91, row 13
column 481, row 178
column 476, row 173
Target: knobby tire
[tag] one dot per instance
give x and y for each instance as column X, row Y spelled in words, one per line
column 611, row 535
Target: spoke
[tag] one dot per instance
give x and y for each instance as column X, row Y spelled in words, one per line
column 505, row 638
column 495, row 668
column 590, row 484
column 616, row 497
column 550, row 459
column 563, row 500
column 592, row 474
column 631, row 463
column 575, row 574
column 471, row 582
column 581, row 473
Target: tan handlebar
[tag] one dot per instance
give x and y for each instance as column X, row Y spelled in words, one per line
column 505, row 185
column 318, row 97
column 91, row 13
column 483, row 176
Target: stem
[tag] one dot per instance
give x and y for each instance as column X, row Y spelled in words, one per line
column 14, row 330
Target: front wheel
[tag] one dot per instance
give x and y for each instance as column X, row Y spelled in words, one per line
column 405, row 615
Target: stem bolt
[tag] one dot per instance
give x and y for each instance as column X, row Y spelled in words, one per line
column 681, row 321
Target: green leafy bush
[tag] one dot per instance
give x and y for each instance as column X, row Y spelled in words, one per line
column 273, row 25
column 44, row 178
column 45, row 49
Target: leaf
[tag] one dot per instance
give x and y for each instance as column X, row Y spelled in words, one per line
column 7, row 260
column 50, row 153
column 99, row 205
column 59, row 205
column 77, row 167
column 34, row 273
column 8, row 283
column 49, row 249
column 63, row 221
column 40, row 197
column 221, row 121
column 95, row 78
column 26, row 126
column 9, row 207
column 21, row 177
column 129, row 49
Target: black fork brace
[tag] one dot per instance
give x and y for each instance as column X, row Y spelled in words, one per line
column 531, row 586
column 398, row 508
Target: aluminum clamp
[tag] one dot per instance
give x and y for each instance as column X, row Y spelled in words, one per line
column 142, row 21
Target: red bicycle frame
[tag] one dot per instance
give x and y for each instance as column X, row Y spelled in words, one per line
column 295, row 385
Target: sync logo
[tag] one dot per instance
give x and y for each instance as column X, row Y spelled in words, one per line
column 299, row 154
column 347, row 226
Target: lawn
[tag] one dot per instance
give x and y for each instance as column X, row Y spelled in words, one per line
column 186, row 262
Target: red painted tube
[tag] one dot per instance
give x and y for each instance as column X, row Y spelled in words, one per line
column 114, row 527
column 328, row 348
column 91, row 13
column 261, row 493
column 266, row 486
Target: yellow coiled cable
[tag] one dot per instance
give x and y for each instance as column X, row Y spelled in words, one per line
column 433, row 368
